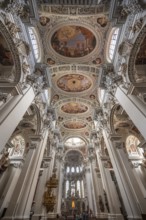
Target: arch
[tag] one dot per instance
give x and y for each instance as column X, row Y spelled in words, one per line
column 75, row 136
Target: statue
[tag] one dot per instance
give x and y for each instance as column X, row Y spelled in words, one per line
column 4, row 161
column 137, row 26
column 23, row 47
column 12, row 27
column 25, row 68
column 101, row 205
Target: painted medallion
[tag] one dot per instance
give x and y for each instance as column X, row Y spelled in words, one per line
column 74, row 108
column 74, row 83
column 73, row 41
column 74, row 125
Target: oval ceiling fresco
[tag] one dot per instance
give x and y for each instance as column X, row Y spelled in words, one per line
column 74, row 125
column 74, row 83
column 74, row 108
column 73, row 41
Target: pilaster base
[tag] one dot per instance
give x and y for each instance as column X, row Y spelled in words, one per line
column 51, row 216
column 115, row 217
column 134, row 218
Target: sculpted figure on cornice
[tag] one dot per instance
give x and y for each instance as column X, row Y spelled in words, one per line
column 21, row 9
column 3, row 97
column 23, row 47
column 137, row 26
column 12, row 27
column 4, row 161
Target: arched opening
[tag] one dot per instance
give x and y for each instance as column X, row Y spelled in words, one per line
column 112, row 43
column 35, row 43
column 73, row 193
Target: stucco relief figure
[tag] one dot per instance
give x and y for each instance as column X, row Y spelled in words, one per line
column 137, row 26
column 22, row 47
column 102, row 21
column 131, row 144
column 12, row 28
column 97, row 61
column 44, row 20
column 19, row 145
column 50, row 61
column 4, row 161
column 74, row 83
column 73, row 41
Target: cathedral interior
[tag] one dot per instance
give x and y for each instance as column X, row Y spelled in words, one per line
column 73, row 109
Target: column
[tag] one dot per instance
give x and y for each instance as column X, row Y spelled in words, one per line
column 97, row 186
column 135, row 108
column 94, row 191
column 12, row 113
column 113, row 202
column 38, row 208
column 60, row 190
column 14, row 171
column 45, row 173
column 129, row 200
column 20, row 204
column 134, row 182
column 89, row 187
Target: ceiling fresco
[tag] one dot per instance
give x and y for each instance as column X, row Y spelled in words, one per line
column 74, row 108
column 73, row 41
column 74, row 83
column 74, row 125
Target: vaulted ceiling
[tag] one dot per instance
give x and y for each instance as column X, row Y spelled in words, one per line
column 74, row 48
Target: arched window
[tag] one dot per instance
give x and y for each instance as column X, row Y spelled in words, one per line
column 34, row 42
column 68, row 169
column 72, row 169
column 131, row 146
column 112, row 44
column 74, row 141
column 77, row 169
column 67, row 188
column 78, row 188
column 19, row 146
